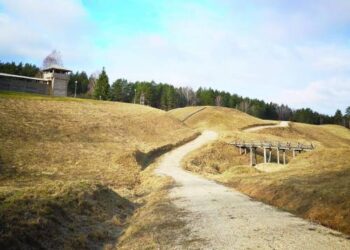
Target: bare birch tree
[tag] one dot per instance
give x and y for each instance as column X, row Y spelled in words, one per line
column 54, row 58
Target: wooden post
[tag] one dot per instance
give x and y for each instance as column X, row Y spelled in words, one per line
column 251, row 156
column 254, row 159
column 284, row 147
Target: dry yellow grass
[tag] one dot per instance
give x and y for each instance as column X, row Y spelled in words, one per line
column 314, row 185
column 219, row 119
column 333, row 136
column 62, row 161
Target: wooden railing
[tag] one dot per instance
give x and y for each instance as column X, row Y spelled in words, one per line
column 268, row 147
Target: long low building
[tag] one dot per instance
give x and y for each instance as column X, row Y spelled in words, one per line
column 54, row 82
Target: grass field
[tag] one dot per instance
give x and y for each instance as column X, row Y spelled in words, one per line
column 314, row 185
column 70, row 168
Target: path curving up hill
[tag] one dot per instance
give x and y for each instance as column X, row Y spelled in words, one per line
column 282, row 124
column 226, row 219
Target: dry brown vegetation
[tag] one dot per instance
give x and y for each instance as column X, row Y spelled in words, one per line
column 314, row 185
column 215, row 118
column 70, row 168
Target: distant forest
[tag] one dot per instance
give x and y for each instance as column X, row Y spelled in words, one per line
column 166, row 96
column 19, row 69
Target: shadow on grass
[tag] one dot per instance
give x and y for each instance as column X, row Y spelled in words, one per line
column 145, row 159
column 79, row 216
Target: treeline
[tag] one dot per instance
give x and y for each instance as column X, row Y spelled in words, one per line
column 166, row 96
column 19, row 69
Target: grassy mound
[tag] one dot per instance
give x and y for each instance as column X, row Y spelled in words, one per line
column 313, row 185
column 216, row 118
column 65, row 163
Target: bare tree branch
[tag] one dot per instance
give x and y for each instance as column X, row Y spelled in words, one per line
column 54, row 58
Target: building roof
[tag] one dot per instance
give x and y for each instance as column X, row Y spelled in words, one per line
column 56, row 67
column 23, row 77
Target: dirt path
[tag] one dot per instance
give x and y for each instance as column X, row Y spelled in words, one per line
column 282, row 124
column 226, row 219
column 190, row 115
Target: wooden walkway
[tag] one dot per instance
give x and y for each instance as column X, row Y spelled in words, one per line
column 268, row 147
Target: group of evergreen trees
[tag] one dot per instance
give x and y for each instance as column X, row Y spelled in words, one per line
column 19, row 69
column 165, row 96
column 82, row 83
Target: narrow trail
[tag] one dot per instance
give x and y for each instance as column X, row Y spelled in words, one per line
column 190, row 115
column 226, row 219
column 282, row 124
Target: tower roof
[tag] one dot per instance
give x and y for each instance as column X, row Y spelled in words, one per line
column 56, row 68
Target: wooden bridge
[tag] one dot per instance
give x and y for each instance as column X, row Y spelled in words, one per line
column 268, row 147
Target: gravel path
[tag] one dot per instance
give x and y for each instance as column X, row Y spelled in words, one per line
column 226, row 219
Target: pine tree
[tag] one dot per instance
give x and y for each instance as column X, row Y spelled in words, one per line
column 171, row 98
column 163, row 98
column 338, row 117
column 117, row 92
column 82, row 83
column 347, row 115
column 101, row 89
column 347, row 111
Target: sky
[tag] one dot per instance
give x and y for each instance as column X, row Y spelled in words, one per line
column 292, row 52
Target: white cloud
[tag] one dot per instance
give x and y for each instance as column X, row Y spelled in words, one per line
column 31, row 29
column 299, row 20
column 327, row 95
column 329, row 57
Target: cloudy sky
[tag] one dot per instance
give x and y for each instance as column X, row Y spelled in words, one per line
column 293, row 52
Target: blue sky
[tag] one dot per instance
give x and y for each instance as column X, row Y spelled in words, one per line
column 293, row 52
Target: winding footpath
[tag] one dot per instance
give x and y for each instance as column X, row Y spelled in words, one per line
column 226, row 219
column 282, row 124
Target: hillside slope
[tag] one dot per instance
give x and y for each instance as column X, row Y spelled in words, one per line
column 215, row 118
column 314, row 185
column 62, row 162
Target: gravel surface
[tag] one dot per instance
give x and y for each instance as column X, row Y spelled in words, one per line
column 223, row 218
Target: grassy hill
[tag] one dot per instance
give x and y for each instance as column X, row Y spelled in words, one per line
column 313, row 185
column 215, row 118
column 69, row 168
